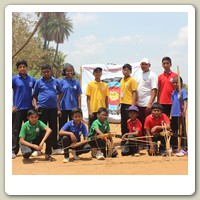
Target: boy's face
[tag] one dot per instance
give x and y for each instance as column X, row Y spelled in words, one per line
column 102, row 117
column 97, row 73
column 126, row 72
column 22, row 69
column 166, row 65
column 77, row 117
column 33, row 118
column 156, row 112
column 46, row 73
column 132, row 115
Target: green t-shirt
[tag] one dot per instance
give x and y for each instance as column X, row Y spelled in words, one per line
column 104, row 128
column 29, row 131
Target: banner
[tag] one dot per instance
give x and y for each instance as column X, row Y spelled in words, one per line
column 112, row 75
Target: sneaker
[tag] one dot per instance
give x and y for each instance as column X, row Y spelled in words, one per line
column 73, row 152
column 49, row 158
column 93, row 153
column 137, row 155
column 57, row 152
column 13, row 155
column 180, row 153
column 100, row 156
column 36, row 153
column 65, row 160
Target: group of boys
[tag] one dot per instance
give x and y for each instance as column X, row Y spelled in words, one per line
column 140, row 113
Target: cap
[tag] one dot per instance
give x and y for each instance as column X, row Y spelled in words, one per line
column 96, row 68
column 133, row 108
column 145, row 60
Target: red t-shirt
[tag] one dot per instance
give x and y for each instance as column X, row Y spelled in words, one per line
column 151, row 121
column 166, row 87
column 134, row 125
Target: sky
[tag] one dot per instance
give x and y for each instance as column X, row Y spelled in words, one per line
column 127, row 37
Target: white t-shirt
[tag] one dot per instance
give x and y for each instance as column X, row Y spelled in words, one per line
column 146, row 82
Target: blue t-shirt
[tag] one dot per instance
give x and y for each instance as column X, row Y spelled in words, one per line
column 178, row 104
column 46, row 92
column 77, row 130
column 70, row 89
column 22, row 91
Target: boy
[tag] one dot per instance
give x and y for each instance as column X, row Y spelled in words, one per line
column 153, row 126
column 97, row 95
column 71, row 133
column 165, row 87
column 135, row 130
column 146, row 91
column 178, row 111
column 128, row 87
column 47, row 103
column 99, row 127
column 22, row 85
column 34, row 133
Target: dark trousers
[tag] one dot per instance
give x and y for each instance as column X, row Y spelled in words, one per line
column 175, row 126
column 49, row 115
column 167, row 109
column 27, row 151
column 143, row 113
column 99, row 144
column 66, row 116
column 124, row 118
column 91, row 120
column 17, row 119
column 66, row 141
column 130, row 147
column 162, row 147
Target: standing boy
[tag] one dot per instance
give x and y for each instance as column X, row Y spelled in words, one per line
column 178, row 112
column 135, row 130
column 46, row 100
column 97, row 95
column 128, row 87
column 153, row 126
column 71, row 134
column 34, row 133
column 146, row 91
column 165, row 86
column 22, row 85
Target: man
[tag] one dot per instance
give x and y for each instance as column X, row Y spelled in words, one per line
column 147, row 90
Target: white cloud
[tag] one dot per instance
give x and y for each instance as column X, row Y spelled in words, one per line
column 127, row 39
column 182, row 39
column 84, row 18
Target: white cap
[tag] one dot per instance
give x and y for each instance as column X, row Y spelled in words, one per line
column 145, row 60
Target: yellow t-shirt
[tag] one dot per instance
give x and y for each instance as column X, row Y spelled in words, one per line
column 98, row 91
column 127, row 86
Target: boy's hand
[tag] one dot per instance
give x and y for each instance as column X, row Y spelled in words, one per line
column 14, row 109
column 152, row 151
column 73, row 138
column 153, row 130
column 90, row 115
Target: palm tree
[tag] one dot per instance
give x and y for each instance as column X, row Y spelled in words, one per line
column 59, row 29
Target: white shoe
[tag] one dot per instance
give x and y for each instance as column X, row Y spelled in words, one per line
column 13, row 155
column 65, row 160
column 73, row 152
column 100, row 156
column 36, row 153
column 180, row 154
column 137, row 155
column 57, row 152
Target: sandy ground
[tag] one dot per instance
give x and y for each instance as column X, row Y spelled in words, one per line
column 126, row 165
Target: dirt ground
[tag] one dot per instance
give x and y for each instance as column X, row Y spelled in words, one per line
column 122, row 165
